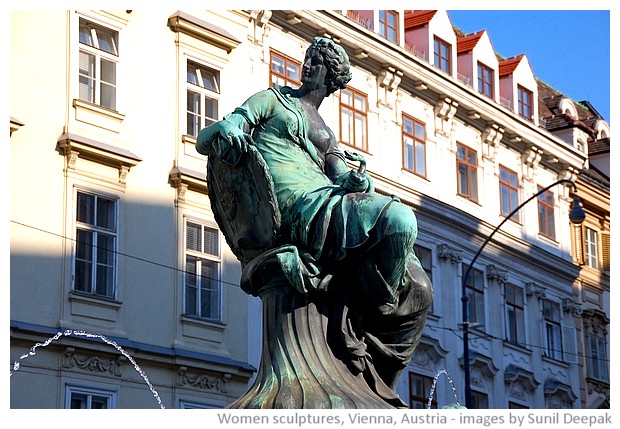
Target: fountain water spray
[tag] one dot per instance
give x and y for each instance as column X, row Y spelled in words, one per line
column 457, row 404
column 69, row 332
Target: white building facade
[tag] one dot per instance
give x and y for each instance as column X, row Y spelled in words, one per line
column 112, row 233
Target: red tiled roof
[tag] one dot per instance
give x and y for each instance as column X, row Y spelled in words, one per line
column 599, row 146
column 418, row 17
column 509, row 65
column 468, row 42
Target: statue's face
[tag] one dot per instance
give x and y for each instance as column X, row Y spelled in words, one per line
column 313, row 71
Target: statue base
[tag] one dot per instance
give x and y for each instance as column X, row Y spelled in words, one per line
column 298, row 366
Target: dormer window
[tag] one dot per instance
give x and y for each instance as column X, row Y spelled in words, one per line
column 602, row 129
column 388, row 25
column 525, row 98
column 442, row 54
column 485, row 80
column 580, row 145
column 567, row 107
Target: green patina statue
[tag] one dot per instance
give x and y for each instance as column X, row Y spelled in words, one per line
column 295, row 215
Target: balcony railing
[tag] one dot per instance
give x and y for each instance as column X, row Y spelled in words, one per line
column 354, row 16
column 464, row 79
column 415, row 51
column 506, row 102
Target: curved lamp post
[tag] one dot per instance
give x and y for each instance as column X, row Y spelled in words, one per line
column 576, row 216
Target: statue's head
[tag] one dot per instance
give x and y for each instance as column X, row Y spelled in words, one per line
column 337, row 62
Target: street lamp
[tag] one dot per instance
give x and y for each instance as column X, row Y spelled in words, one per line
column 576, row 216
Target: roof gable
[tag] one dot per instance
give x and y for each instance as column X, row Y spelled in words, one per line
column 417, row 18
column 509, row 65
column 468, row 42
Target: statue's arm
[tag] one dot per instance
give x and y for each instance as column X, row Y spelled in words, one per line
column 229, row 137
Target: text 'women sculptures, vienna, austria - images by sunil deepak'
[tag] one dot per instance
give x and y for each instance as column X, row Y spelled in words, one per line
column 344, row 296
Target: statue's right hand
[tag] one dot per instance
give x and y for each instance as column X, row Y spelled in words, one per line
column 231, row 143
column 236, row 138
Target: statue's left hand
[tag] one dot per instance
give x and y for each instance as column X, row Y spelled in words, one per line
column 353, row 181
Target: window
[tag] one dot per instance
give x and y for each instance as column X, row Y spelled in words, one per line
column 508, row 192
column 202, row 272
column 284, row 71
column 597, row 358
column 414, row 146
column 525, row 99
column 353, row 123
column 546, row 221
column 467, row 172
column 95, row 254
column 591, row 248
column 419, row 388
column 479, row 400
column 442, row 53
column 485, row 80
column 97, row 64
column 91, row 399
column 203, row 89
column 475, row 295
column 515, row 319
column 187, row 405
column 388, row 25
column 426, row 260
column 552, row 329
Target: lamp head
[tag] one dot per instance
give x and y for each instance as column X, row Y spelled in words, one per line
column 576, row 214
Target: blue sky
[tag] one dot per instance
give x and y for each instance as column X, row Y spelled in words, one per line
column 567, row 49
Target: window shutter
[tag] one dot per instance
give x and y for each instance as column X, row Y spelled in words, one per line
column 193, row 236
column 569, row 346
column 210, row 241
column 606, row 250
column 579, row 244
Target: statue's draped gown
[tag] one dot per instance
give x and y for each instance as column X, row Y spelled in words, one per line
column 363, row 240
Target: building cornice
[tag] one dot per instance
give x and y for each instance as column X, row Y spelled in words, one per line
column 374, row 53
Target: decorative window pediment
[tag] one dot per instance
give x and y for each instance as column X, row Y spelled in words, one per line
column 183, row 179
column 182, row 22
column 514, row 374
column 429, row 353
column 558, row 394
column 16, row 124
column 73, row 147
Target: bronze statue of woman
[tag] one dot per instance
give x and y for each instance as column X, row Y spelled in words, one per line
column 357, row 243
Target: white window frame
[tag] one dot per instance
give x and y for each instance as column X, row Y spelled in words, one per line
column 109, row 395
column 476, row 296
column 100, row 56
column 97, row 232
column 591, row 247
column 598, row 367
column 414, row 146
column 203, row 92
column 201, row 256
column 552, row 332
column 515, row 317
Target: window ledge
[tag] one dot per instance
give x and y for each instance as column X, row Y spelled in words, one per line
column 94, row 307
column 73, row 146
column 554, row 361
column 203, row 329
column 518, row 347
column 94, row 114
